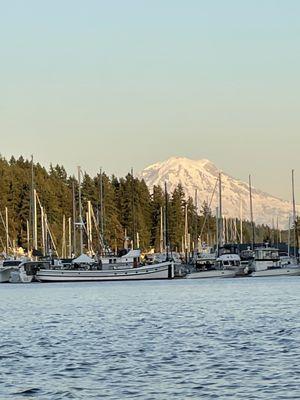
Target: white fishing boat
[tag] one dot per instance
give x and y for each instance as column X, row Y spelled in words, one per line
column 267, row 262
column 156, row 271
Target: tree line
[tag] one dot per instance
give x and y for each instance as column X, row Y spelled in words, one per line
column 122, row 208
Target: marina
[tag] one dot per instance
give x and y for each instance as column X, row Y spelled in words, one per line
column 149, row 200
column 85, row 253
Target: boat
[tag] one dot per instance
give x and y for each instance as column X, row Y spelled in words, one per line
column 225, row 266
column 94, row 272
column 7, row 267
column 247, row 257
column 26, row 271
column 130, row 258
column 211, row 273
column 206, row 258
column 267, row 262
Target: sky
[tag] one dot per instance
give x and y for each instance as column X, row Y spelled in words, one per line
column 120, row 84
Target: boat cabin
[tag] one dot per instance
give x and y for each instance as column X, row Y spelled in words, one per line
column 132, row 258
column 228, row 261
column 266, row 258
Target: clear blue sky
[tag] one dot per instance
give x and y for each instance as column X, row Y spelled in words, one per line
column 125, row 83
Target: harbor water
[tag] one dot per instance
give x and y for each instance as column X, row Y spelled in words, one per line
column 180, row 339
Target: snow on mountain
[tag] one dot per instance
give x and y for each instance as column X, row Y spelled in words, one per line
column 202, row 175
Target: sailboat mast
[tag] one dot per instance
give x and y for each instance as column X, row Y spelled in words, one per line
column 133, row 211
column 101, row 205
column 217, row 229
column 166, row 222
column 220, row 212
column 63, row 250
column 80, row 211
column 74, row 216
column 196, row 221
column 70, row 237
column 28, row 236
column 296, row 255
column 251, row 213
column 43, row 230
column 161, row 231
column 289, row 237
column 32, row 204
column 35, row 244
column 6, row 230
column 241, row 221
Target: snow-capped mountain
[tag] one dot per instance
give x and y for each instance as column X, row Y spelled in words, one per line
column 202, row 175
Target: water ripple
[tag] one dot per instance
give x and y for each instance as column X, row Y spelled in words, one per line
column 227, row 339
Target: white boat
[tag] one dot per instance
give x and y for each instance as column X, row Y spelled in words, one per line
column 5, row 274
column 153, row 258
column 25, row 272
column 212, row 273
column 206, row 258
column 7, row 267
column 292, row 270
column 225, row 266
column 132, row 258
column 20, row 276
column 267, row 262
column 156, row 271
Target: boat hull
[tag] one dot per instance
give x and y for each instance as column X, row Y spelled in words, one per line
column 20, row 277
column 160, row 271
column 212, row 274
column 5, row 274
column 287, row 271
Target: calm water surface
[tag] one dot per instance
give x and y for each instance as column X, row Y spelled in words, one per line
column 212, row 339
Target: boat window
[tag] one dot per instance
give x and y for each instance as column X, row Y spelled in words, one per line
column 11, row 263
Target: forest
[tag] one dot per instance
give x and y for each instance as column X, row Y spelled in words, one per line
column 124, row 212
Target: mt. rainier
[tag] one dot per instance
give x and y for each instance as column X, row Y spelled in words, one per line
column 202, row 175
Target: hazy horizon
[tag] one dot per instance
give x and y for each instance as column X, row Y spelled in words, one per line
column 126, row 84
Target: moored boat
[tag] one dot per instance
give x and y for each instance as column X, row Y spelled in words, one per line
column 225, row 266
column 156, row 271
column 211, row 273
column 292, row 270
column 267, row 263
column 7, row 267
column 26, row 271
